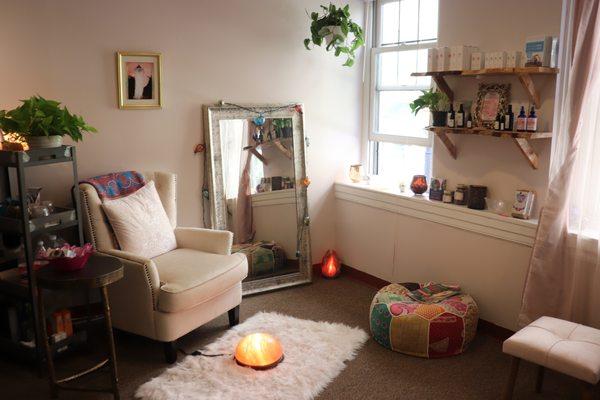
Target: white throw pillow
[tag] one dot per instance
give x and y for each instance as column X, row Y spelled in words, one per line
column 140, row 223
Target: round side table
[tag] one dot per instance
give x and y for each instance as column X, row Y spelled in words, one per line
column 99, row 272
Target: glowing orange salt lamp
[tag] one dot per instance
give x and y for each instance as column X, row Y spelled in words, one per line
column 259, row 351
column 330, row 265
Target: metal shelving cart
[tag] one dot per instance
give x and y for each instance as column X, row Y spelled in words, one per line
column 28, row 229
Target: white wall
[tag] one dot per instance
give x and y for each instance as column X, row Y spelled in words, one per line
column 234, row 50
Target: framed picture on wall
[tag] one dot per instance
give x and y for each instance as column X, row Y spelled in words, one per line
column 491, row 100
column 139, row 80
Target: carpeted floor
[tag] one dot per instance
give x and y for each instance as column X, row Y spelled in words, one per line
column 376, row 373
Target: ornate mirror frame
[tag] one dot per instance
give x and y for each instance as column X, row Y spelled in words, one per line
column 214, row 175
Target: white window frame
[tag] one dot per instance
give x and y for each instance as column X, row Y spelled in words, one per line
column 373, row 86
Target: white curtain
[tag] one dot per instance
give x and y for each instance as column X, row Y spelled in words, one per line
column 564, row 274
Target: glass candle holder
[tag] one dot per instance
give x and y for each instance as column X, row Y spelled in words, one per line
column 419, row 184
column 356, row 173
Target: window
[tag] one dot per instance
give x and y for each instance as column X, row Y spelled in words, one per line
column 403, row 31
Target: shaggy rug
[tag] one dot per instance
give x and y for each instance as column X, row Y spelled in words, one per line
column 314, row 355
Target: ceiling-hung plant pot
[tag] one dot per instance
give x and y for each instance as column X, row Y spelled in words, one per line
column 436, row 102
column 42, row 123
column 335, row 28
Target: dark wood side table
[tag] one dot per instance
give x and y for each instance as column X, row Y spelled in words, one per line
column 99, row 272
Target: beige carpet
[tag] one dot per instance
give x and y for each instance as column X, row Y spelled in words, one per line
column 376, row 373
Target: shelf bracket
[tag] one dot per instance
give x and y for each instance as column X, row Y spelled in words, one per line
column 441, row 83
column 528, row 151
column 255, row 153
column 529, row 87
column 286, row 152
column 443, row 135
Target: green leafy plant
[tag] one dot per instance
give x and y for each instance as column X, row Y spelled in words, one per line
column 431, row 99
column 38, row 116
column 336, row 25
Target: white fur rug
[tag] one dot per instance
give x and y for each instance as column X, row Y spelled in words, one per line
column 314, row 355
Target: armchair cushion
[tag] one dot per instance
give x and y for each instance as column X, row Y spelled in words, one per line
column 208, row 240
column 140, row 223
column 190, row 277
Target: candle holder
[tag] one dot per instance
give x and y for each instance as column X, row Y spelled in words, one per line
column 356, row 173
column 419, row 184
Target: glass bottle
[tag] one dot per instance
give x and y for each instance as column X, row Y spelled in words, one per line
column 522, row 120
column 451, row 117
column 532, row 120
column 460, row 117
column 509, row 119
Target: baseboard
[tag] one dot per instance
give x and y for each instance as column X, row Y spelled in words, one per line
column 483, row 326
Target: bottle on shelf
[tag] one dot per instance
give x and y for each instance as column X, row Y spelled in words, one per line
column 497, row 121
column 501, row 122
column 509, row 119
column 451, row 117
column 469, row 121
column 532, row 120
column 460, row 117
column 522, row 120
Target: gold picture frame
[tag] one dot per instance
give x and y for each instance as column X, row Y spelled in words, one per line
column 139, row 80
column 491, row 99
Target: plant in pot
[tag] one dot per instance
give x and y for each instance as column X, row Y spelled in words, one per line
column 337, row 30
column 42, row 123
column 436, row 102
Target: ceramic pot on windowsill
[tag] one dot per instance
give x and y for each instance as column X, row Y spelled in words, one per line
column 44, row 142
column 438, row 118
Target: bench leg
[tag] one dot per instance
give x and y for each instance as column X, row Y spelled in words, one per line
column 512, row 378
column 539, row 381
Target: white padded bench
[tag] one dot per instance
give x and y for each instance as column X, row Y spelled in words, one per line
column 570, row 348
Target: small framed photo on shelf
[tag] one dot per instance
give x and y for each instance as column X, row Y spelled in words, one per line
column 523, row 204
column 139, row 80
column 491, row 100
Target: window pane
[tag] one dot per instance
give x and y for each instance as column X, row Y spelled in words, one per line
column 400, row 162
column 428, row 20
column 389, row 22
column 395, row 67
column 409, row 20
column 396, row 118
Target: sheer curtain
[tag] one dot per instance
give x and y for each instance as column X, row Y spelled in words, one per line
column 564, row 273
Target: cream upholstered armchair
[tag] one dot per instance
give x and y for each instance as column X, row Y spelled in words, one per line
column 165, row 297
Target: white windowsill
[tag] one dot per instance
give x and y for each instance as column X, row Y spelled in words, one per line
column 481, row 222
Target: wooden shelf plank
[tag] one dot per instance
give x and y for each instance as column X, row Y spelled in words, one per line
column 490, row 132
column 493, row 71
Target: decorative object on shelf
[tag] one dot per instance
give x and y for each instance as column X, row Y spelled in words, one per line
column 436, row 189
column 448, row 197
column 460, row 57
column 437, row 103
column 139, row 79
column 42, row 123
column 495, row 59
column 521, row 125
column 532, row 120
column 334, row 27
column 461, row 194
column 477, row 195
column 496, row 206
column 419, row 184
column 514, row 59
column 67, row 258
column 331, row 266
column 538, row 51
column 432, row 59
column 259, row 351
column 491, row 100
column 443, row 59
column 477, row 60
column 356, row 173
column 523, row 204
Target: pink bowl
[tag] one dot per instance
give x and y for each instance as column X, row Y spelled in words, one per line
column 69, row 264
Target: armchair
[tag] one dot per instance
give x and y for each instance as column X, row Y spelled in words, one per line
column 166, row 297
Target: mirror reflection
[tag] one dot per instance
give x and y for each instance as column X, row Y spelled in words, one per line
column 258, row 176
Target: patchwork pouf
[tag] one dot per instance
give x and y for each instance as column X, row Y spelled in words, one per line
column 422, row 329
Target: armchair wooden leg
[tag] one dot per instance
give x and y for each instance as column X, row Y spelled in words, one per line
column 234, row 316
column 540, row 379
column 587, row 391
column 170, row 351
column 510, row 387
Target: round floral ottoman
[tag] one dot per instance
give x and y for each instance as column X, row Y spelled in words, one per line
column 432, row 329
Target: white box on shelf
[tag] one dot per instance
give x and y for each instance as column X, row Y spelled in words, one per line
column 460, row 57
column 489, row 60
column 554, row 53
column 443, row 59
column 538, row 51
column 477, row 60
column 432, row 59
column 513, row 59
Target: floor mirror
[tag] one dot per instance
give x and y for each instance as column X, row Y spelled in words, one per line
column 257, row 189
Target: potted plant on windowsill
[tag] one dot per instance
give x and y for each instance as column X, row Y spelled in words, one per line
column 436, row 102
column 42, row 123
column 334, row 27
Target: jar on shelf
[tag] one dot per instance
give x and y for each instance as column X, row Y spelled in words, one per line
column 447, row 198
column 460, row 194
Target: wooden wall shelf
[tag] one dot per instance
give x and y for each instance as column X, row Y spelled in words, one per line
column 524, row 74
column 521, row 139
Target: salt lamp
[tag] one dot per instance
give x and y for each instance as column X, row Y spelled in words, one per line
column 259, row 351
column 330, row 265
column 419, row 184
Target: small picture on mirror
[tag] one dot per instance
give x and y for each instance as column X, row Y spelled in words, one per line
column 491, row 100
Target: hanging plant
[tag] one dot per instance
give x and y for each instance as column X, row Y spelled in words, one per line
column 335, row 28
